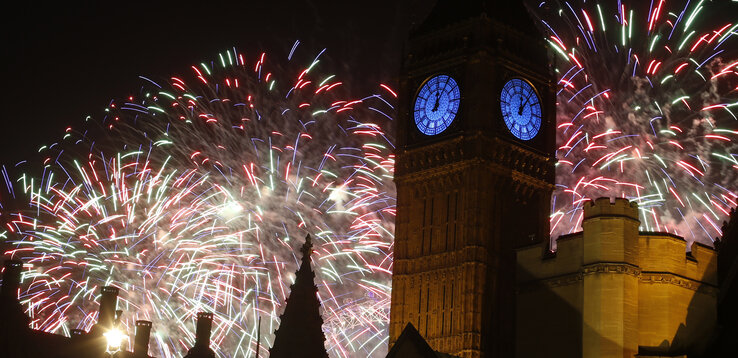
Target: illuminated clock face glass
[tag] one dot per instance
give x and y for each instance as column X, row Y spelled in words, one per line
column 437, row 104
column 521, row 109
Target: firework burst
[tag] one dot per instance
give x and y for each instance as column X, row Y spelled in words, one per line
column 646, row 110
column 194, row 194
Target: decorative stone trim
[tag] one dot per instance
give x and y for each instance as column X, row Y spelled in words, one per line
column 610, row 267
column 442, row 260
column 563, row 280
column 681, row 281
column 647, row 277
column 443, row 158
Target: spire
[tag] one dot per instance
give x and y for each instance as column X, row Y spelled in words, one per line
column 300, row 332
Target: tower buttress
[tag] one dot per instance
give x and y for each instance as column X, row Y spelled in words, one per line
column 610, row 278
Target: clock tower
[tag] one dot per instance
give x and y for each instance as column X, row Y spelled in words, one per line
column 474, row 173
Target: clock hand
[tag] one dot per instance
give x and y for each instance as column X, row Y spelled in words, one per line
column 522, row 105
column 435, row 106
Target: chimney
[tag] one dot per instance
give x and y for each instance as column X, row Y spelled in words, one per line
column 202, row 332
column 141, row 340
column 11, row 280
column 13, row 317
column 77, row 335
column 108, row 302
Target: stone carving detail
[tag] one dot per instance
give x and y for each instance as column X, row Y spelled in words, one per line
column 611, row 268
column 441, row 159
column 672, row 279
column 621, row 268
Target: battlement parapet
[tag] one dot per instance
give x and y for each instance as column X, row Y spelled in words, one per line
column 619, row 207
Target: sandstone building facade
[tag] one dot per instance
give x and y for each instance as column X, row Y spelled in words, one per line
column 612, row 291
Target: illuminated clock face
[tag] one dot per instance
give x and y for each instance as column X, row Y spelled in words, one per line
column 437, row 104
column 521, row 109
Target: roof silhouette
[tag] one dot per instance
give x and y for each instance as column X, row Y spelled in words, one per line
column 410, row 344
column 509, row 12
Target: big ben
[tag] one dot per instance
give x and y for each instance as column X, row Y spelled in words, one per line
column 474, row 173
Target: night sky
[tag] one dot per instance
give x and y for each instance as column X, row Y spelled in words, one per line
column 66, row 60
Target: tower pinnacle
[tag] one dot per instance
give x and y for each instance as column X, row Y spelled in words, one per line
column 300, row 332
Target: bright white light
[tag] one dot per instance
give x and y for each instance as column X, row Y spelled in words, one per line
column 115, row 340
column 339, row 196
column 231, row 210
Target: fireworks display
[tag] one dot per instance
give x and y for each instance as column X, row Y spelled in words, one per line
column 194, row 195
column 646, row 110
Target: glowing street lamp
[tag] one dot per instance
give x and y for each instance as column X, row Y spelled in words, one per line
column 114, row 338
